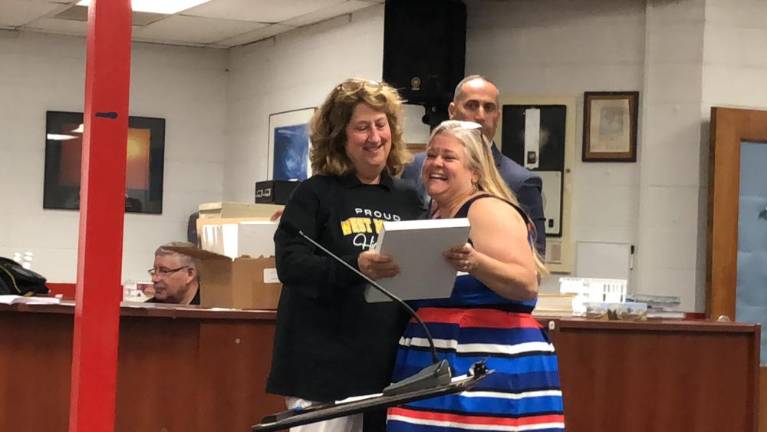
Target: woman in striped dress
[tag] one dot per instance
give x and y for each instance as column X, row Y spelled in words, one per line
column 487, row 318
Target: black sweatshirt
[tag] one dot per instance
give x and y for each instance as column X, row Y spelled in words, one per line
column 329, row 342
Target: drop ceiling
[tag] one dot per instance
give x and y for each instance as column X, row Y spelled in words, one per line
column 217, row 23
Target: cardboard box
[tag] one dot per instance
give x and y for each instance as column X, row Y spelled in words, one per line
column 242, row 283
column 237, row 210
column 238, row 238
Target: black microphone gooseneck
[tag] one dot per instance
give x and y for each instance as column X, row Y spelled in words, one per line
column 436, row 374
column 379, row 288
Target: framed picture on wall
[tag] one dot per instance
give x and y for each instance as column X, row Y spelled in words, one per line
column 143, row 170
column 289, row 144
column 610, row 126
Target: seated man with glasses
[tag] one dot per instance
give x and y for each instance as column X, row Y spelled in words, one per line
column 174, row 276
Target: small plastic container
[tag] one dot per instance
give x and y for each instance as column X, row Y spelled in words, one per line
column 629, row 311
column 597, row 310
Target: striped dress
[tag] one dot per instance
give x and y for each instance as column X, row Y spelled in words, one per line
column 475, row 324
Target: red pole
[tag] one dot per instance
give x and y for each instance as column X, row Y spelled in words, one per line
column 102, row 205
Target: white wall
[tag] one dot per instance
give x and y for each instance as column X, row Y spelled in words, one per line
column 671, row 227
column 561, row 48
column 734, row 54
column 186, row 86
column 292, row 71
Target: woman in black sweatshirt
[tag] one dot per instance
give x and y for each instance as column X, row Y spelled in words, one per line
column 330, row 343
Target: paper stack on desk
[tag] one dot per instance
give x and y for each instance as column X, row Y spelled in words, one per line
column 658, row 306
column 16, row 299
column 554, row 305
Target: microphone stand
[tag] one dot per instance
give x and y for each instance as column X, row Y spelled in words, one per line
column 434, row 375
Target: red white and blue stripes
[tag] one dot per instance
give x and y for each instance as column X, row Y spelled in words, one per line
column 523, row 393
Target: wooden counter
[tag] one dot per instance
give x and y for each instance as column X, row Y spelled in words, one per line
column 660, row 376
column 178, row 369
column 204, row 370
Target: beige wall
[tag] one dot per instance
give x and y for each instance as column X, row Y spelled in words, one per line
column 186, row 86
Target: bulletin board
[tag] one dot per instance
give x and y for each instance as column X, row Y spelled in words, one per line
column 539, row 134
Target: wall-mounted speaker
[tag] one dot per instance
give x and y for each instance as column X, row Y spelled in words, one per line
column 425, row 51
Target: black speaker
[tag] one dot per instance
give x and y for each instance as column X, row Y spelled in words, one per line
column 425, row 51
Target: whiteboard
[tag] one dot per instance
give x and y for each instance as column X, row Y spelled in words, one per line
column 603, row 260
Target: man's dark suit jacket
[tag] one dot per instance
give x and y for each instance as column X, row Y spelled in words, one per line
column 525, row 184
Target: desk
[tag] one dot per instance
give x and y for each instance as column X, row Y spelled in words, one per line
column 178, row 369
column 202, row 370
column 672, row 376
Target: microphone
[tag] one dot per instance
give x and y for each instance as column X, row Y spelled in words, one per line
column 436, row 374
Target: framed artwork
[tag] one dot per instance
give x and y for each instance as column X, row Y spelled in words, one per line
column 610, row 126
column 289, row 144
column 143, row 170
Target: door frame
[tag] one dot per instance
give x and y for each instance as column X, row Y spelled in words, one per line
column 729, row 127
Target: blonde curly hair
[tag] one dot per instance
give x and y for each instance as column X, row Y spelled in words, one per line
column 328, row 126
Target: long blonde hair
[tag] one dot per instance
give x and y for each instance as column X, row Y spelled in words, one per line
column 480, row 160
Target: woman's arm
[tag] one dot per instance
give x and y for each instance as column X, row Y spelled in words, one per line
column 299, row 264
column 501, row 257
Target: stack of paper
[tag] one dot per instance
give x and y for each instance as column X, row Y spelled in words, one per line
column 554, row 305
column 660, row 307
column 15, row 299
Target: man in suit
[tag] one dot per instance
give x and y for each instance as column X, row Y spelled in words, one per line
column 476, row 99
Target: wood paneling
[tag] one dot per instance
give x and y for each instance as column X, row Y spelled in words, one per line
column 35, row 359
column 645, row 376
column 763, row 400
column 202, row 370
column 178, row 370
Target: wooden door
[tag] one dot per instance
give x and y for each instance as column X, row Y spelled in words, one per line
column 730, row 128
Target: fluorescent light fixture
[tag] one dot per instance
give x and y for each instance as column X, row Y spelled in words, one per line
column 167, row 7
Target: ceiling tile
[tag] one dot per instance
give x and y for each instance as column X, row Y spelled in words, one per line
column 328, row 12
column 256, row 35
column 217, row 23
column 59, row 26
column 80, row 13
column 181, row 28
column 14, row 13
column 269, row 11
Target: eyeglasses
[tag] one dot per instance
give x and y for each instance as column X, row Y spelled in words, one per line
column 162, row 271
column 462, row 124
column 470, row 127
